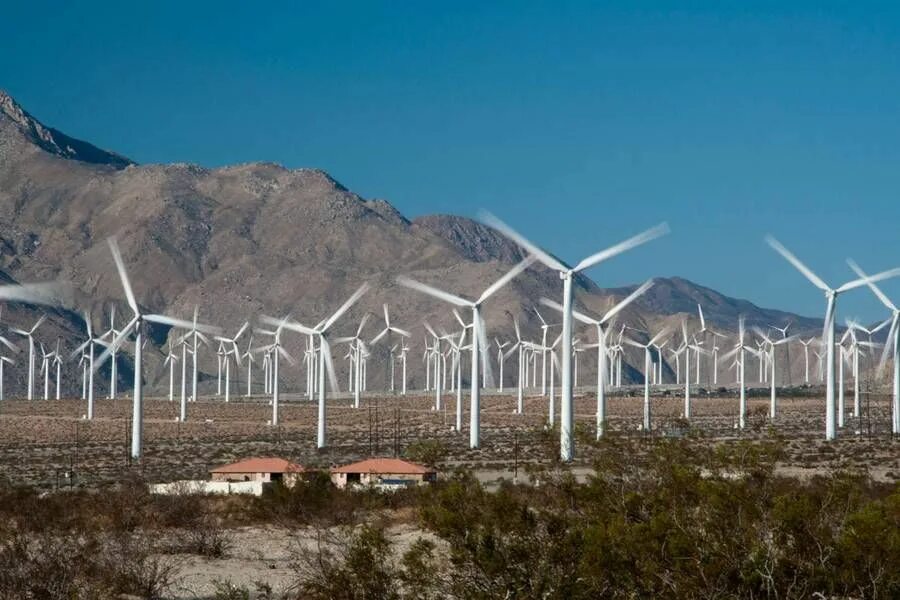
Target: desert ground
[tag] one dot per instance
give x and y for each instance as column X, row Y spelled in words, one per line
column 42, row 443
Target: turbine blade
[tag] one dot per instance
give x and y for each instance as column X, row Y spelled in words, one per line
column 702, row 320
column 628, row 300
column 284, row 353
column 541, row 254
column 788, row 256
column 865, row 281
column 402, row 332
column 31, row 293
column 123, row 274
column 345, row 306
column 875, row 289
column 383, row 333
column 432, row 291
column 116, row 343
column 579, row 316
column 524, row 264
column 171, row 321
column 641, row 238
column 325, row 348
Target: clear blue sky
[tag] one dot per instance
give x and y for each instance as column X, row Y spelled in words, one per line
column 579, row 125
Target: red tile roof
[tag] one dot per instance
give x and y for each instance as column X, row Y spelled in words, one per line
column 390, row 466
column 260, row 465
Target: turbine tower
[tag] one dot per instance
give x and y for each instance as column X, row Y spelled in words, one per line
column 567, row 273
column 479, row 339
column 831, row 295
column 137, row 418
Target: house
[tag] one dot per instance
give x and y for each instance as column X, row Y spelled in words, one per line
column 385, row 473
column 265, row 470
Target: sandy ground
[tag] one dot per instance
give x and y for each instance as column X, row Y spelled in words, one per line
column 266, row 555
column 42, row 441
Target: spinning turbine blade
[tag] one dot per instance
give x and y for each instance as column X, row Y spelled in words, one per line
column 628, row 300
column 524, row 264
column 541, row 254
column 868, row 280
column 116, row 343
column 123, row 274
column 30, row 293
column 433, row 291
column 345, row 307
column 641, row 238
column 807, row 272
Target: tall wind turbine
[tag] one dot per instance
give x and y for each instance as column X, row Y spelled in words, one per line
column 111, row 333
column 134, row 326
column 31, row 351
column 806, row 356
column 892, row 345
column 738, row 352
column 479, row 339
column 828, row 334
column 248, row 355
column 773, row 346
column 647, row 361
column 325, row 361
column 602, row 325
column 567, row 273
column 89, row 345
column 231, row 349
column 387, row 331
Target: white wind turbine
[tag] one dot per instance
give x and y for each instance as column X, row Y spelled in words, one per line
column 4, row 360
column 325, row 361
column 357, row 350
column 404, row 350
column 171, row 359
column 828, row 334
column 31, row 351
column 852, row 325
column 687, row 367
column 567, row 273
column 501, row 358
column 647, row 360
column 806, row 356
column 195, row 335
column 387, row 331
column 134, row 326
column 111, row 333
column 248, row 356
column 892, row 345
column 479, row 339
column 602, row 326
column 773, row 346
column 274, row 351
column 228, row 353
column 87, row 348
column 738, row 352
column 46, row 357
column 544, row 328
column 57, row 361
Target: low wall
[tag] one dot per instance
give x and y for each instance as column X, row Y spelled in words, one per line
column 254, row 488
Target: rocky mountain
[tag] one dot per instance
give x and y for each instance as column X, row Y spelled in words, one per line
column 258, row 238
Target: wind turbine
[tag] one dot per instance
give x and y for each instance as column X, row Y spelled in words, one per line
column 828, row 335
column 357, row 349
column 111, row 333
column 738, row 352
column 325, row 361
column 479, row 340
column 248, row 355
column 273, row 351
column 388, row 329
column 31, row 351
column 544, row 328
column 852, row 325
column 88, row 346
column 646, row 347
column 137, row 419
column 891, row 344
column 773, row 346
column 229, row 352
column 171, row 359
column 567, row 273
column 45, row 369
column 602, row 325
column 501, row 358
column 806, row 356
column 3, row 361
column 687, row 367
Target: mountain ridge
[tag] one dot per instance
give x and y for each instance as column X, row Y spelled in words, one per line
column 258, row 237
